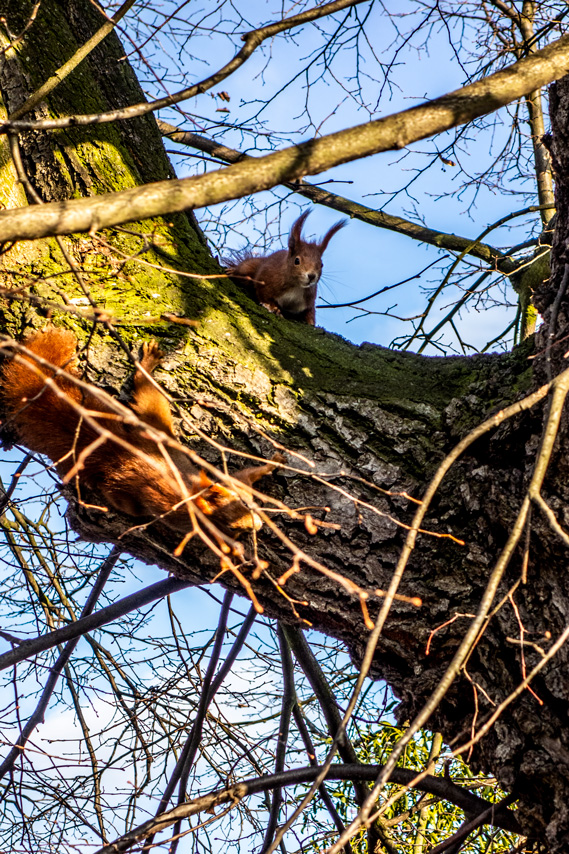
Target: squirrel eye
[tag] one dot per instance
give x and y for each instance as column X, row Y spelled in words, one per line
column 297, row 260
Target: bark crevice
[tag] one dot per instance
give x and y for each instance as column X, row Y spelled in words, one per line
column 384, row 418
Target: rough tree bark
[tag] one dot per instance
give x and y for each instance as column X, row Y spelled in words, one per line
column 368, row 418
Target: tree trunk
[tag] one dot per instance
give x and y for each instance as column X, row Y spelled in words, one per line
column 374, row 423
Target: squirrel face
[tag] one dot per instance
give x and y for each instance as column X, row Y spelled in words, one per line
column 286, row 281
column 304, row 264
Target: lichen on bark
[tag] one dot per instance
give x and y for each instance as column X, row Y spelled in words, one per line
column 372, row 422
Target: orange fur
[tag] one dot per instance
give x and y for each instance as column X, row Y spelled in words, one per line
column 147, row 483
column 286, row 281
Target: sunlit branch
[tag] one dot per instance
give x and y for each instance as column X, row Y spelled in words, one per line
column 542, row 161
column 442, row 240
column 290, row 164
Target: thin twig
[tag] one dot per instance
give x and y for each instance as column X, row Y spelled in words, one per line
column 27, row 648
column 65, row 70
column 252, row 41
column 287, row 705
column 438, row 786
column 55, row 671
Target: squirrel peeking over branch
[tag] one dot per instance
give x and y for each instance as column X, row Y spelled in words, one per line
column 286, row 281
column 137, row 471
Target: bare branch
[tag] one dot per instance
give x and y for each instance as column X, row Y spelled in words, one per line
column 355, row 210
column 27, row 648
column 441, row 787
column 252, row 41
column 71, row 64
column 287, row 705
column 309, row 158
column 62, row 660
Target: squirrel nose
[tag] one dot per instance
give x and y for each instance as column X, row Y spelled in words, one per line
column 311, row 277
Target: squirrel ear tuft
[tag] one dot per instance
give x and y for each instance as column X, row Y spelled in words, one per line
column 294, row 239
column 330, row 234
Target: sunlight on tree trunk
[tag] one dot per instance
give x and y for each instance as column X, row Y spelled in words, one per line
column 347, row 548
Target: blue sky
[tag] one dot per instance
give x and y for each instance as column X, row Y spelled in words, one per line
column 361, row 259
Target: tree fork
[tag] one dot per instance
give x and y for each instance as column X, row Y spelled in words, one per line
column 374, row 423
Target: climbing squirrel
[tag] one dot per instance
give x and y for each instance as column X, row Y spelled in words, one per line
column 120, row 462
column 285, row 282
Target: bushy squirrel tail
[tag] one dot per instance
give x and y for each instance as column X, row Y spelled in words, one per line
column 48, row 412
column 43, row 419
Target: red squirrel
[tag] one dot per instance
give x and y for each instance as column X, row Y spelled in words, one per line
column 285, row 282
column 130, row 470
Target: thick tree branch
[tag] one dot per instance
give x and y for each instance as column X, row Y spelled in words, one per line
column 441, row 787
column 374, row 425
column 355, row 210
column 560, row 388
column 452, row 670
column 308, row 158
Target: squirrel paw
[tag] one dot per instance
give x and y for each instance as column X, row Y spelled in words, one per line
column 273, row 308
column 152, row 355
